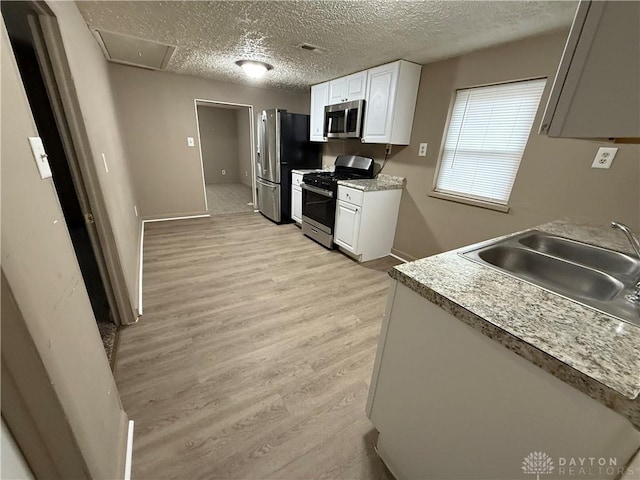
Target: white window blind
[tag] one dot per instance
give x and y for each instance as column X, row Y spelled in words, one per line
column 487, row 133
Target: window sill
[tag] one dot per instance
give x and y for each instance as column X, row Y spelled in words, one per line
column 470, row 201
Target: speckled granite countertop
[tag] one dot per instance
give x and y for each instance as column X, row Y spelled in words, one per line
column 381, row 182
column 596, row 353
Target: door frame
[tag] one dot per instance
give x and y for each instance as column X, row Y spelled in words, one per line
column 56, row 73
column 212, row 103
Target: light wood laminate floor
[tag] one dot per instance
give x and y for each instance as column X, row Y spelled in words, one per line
column 254, row 354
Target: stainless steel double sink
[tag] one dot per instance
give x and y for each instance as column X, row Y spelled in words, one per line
column 593, row 276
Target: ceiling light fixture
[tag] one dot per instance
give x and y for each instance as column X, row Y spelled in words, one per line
column 253, row 68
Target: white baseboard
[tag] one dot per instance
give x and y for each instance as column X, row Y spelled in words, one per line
column 403, row 260
column 166, row 219
column 141, row 256
column 129, row 457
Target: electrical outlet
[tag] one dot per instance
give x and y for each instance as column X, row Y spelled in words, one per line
column 604, row 157
column 246, row 174
column 224, row 172
column 191, row 142
column 422, row 151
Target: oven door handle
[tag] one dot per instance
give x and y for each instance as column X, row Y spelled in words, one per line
column 319, row 191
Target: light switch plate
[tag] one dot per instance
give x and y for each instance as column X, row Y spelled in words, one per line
column 604, row 157
column 190, row 142
column 422, row 151
column 40, row 156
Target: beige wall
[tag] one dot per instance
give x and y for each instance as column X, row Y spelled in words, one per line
column 89, row 69
column 555, row 179
column 13, row 464
column 41, row 269
column 219, row 144
column 244, row 145
column 157, row 114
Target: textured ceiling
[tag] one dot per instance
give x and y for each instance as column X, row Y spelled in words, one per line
column 211, row 36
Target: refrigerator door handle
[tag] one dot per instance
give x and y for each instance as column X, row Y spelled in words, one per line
column 268, row 185
column 264, row 147
column 278, row 133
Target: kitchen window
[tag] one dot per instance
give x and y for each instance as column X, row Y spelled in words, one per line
column 488, row 130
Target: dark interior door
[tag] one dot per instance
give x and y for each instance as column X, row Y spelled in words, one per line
column 15, row 18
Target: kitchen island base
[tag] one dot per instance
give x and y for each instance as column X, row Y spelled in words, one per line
column 452, row 403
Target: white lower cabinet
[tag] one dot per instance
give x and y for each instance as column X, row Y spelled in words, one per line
column 296, row 204
column 296, row 197
column 347, row 226
column 451, row 403
column 365, row 222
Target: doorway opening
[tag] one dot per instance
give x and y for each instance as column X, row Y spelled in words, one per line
column 225, row 137
column 22, row 26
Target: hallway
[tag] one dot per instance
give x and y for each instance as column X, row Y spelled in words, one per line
column 223, row 198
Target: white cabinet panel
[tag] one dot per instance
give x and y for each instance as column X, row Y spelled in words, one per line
column 392, row 91
column 382, row 85
column 351, row 195
column 427, row 363
column 296, row 179
column 356, row 86
column 347, row 226
column 365, row 223
column 319, row 98
column 337, row 90
column 296, row 204
column 596, row 92
column 348, row 89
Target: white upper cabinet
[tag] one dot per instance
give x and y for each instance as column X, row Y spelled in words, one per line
column 356, row 86
column 337, row 90
column 348, row 89
column 596, row 92
column 392, row 91
column 319, row 98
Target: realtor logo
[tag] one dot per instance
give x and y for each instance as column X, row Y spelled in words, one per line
column 537, row 463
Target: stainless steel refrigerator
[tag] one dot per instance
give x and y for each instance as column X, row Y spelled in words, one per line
column 284, row 145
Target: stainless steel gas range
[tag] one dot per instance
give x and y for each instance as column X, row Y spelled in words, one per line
column 319, row 193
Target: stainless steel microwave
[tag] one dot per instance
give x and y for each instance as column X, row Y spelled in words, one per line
column 344, row 120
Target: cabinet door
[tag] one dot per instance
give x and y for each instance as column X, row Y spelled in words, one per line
column 381, row 92
column 319, row 99
column 596, row 91
column 338, row 90
column 356, row 86
column 347, row 226
column 296, row 204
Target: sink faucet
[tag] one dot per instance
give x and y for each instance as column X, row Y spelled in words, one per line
column 635, row 244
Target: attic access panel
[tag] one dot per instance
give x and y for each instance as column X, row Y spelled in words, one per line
column 134, row 51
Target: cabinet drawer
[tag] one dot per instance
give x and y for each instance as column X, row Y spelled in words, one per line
column 296, row 179
column 350, row 195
